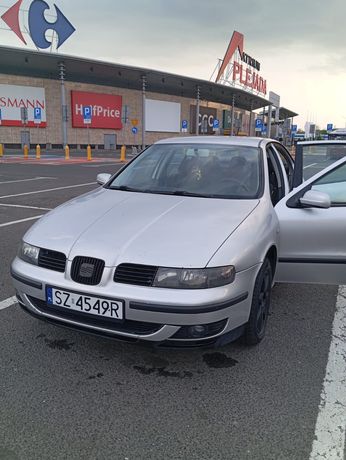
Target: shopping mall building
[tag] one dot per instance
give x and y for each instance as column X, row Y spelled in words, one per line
column 45, row 98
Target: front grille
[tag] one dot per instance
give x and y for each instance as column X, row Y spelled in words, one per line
column 52, row 260
column 87, row 270
column 129, row 326
column 140, row 275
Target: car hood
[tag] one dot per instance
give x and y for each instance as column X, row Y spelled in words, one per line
column 140, row 228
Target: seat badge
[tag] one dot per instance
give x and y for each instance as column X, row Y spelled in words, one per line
column 86, row 270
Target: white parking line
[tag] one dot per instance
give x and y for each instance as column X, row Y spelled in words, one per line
column 8, row 303
column 8, row 224
column 330, row 427
column 26, row 180
column 5, row 205
column 48, row 190
column 310, row 166
column 99, row 165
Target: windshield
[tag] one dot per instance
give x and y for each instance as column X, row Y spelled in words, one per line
column 217, row 171
column 317, row 157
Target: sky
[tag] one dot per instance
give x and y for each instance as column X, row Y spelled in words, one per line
column 299, row 43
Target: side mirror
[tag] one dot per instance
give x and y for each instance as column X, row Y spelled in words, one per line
column 315, row 199
column 103, row 178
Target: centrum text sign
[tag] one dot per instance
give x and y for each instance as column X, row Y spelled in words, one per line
column 106, row 110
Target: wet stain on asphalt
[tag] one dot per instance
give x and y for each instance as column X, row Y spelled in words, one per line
column 6, row 454
column 59, row 344
column 219, row 360
column 157, row 362
column 97, row 376
column 163, row 372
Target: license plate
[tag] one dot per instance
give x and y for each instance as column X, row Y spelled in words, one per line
column 82, row 303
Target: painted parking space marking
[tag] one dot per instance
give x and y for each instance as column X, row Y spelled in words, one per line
column 330, row 427
column 15, row 222
column 310, row 166
column 26, row 180
column 48, row 190
column 20, row 206
column 8, row 303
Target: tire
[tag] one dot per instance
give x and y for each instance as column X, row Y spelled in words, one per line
column 256, row 326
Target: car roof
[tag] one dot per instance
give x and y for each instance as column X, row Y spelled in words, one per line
column 322, row 142
column 221, row 140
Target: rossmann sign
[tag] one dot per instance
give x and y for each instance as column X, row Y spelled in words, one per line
column 106, row 110
column 15, row 98
column 239, row 68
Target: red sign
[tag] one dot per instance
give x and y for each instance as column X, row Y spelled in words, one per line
column 243, row 73
column 106, row 110
column 249, row 78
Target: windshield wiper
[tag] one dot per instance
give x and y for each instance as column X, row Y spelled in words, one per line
column 125, row 188
column 179, row 193
column 185, row 193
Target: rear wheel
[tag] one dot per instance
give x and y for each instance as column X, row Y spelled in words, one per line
column 256, row 326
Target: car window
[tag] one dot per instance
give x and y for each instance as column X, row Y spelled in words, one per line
column 317, row 157
column 276, row 178
column 286, row 161
column 214, row 170
column 334, row 184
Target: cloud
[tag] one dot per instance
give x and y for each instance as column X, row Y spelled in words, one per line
column 180, row 31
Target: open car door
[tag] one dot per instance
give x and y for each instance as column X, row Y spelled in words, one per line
column 313, row 217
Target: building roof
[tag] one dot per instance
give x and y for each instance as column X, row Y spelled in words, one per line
column 19, row 61
column 283, row 113
column 286, row 113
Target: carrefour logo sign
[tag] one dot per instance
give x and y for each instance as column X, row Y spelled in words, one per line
column 37, row 24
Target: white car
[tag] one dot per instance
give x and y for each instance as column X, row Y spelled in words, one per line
column 182, row 246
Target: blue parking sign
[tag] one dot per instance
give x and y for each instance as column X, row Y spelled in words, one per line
column 216, row 124
column 184, row 125
column 87, row 114
column 294, row 128
column 135, row 130
column 258, row 124
column 330, row 127
column 37, row 115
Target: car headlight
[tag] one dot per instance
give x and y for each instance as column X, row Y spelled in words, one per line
column 187, row 278
column 29, row 253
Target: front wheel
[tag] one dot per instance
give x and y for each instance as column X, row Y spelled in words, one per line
column 256, row 326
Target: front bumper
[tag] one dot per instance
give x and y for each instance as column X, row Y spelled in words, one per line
column 152, row 314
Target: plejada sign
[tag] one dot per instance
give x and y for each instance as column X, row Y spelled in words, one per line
column 238, row 68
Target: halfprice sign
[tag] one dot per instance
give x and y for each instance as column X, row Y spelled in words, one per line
column 105, row 110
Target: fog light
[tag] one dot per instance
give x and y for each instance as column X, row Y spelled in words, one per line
column 198, row 331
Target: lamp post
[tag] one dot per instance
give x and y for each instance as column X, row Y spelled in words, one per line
column 62, row 75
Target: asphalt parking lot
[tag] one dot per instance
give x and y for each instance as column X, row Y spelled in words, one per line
column 68, row 395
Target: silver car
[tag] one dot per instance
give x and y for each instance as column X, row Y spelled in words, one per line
column 183, row 245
